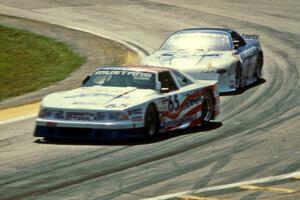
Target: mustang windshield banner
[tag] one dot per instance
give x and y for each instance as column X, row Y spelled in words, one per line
column 124, row 73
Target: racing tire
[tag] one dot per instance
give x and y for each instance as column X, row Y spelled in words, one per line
column 238, row 78
column 258, row 67
column 207, row 108
column 151, row 121
column 49, row 139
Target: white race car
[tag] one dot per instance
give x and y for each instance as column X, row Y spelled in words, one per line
column 122, row 99
column 210, row 53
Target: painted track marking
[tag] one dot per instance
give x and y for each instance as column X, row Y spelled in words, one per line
column 229, row 186
column 192, row 197
column 262, row 188
column 16, row 112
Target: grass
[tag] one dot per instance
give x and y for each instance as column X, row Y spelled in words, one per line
column 29, row 62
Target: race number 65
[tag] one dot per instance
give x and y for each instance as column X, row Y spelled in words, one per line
column 173, row 103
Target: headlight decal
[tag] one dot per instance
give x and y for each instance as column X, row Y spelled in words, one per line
column 51, row 113
column 111, row 116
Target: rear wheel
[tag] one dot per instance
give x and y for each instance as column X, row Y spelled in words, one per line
column 238, row 78
column 207, row 108
column 258, row 67
column 151, row 121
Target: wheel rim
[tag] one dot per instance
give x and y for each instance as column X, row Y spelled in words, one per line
column 206, row 108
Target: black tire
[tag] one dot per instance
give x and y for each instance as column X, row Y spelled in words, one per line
column 238, row 77
column 258, row 66
column 151, row 121
column 207, row 108
column 49, row 139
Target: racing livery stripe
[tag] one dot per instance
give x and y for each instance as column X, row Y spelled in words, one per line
column 182, row 106
column 196, row 122
column 194, row 110
column 190, row 113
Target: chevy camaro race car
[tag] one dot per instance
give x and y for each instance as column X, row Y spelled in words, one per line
column 210, row 53
column 144, row 99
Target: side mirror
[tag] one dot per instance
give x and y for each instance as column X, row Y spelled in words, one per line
column 86, row 79
column 236, row 44
column 164, row 90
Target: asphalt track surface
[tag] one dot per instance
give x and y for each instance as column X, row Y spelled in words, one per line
column 257, row 134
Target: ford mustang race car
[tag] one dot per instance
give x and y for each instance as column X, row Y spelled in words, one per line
column 144, row 99
column 211, row 53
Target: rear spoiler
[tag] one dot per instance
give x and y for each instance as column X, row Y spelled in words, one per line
column 250, row 36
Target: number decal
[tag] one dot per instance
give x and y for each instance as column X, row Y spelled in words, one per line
column 170, row 104
column 176, row 102
column 173, row 103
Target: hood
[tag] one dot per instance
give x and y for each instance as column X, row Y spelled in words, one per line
column 185, row 60
column 100, row 98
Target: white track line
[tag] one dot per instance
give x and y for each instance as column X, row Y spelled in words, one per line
column 229, row 186
column 18, row 119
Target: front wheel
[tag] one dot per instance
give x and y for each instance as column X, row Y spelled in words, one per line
column 207, row 108
column 238, row 78
column 151, row 121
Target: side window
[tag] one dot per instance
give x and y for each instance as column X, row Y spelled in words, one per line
column 167, row 81
column 238, row 41
column 182, row 80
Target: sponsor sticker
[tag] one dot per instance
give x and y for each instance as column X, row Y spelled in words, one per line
column 80, row 116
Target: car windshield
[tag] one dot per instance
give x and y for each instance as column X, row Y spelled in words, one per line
column 122, row 78
column 197, row 41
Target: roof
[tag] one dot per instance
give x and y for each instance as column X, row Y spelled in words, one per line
column 144, row 68
column 206, row 30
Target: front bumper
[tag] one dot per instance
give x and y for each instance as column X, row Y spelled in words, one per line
column 84, row 130
column 226, row 82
